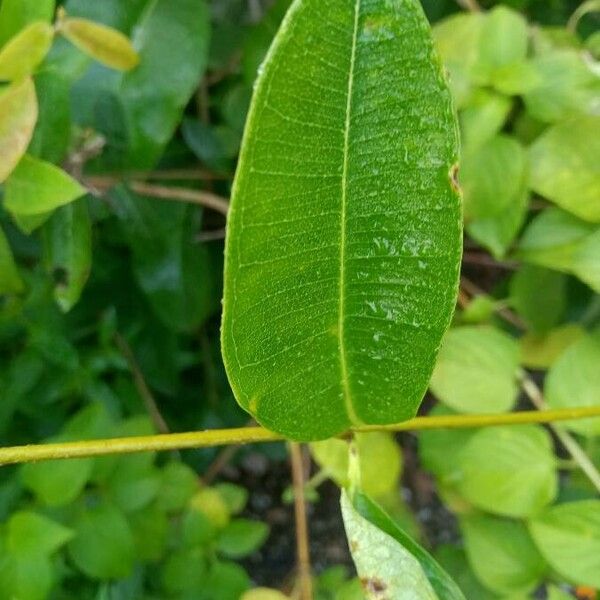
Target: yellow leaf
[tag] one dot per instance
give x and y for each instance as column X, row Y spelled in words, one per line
column 18, row 114
column 25, row 51
column 105, row 44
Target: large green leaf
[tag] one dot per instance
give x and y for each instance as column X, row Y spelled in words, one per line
column 384, row 554
column 17, row 14
column 344, row 233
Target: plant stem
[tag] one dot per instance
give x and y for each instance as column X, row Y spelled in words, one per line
column 471, row 5
column 247, row 435
column 302, row 544
column 534, row 393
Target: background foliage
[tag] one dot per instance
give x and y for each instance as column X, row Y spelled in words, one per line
column 102, row 281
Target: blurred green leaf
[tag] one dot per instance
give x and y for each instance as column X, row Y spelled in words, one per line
column 179, row 483
column 151, row 528
column 558, row 240
column 15, row 15
column 156, row 92
column 25, row 51
column 483, row 118
column 241, row 537
column 212, row 505
column 566, row 85
column 68, row 251
column 52, row 133
column 539, row 296
column 564, row 166
column 502, row 554
column 262, row 593
column 18, row 114
column 105, row 44
column 30, row 533
column 103, row 546
column 30, row 576
column 493, row 176
column 185, row 571
column 172, row 268
column 37, row 187
column 496, row 477
column 476, row 370
column 574, row 381
column 10, row 280
column 235, row 496
column 568, row 536
column 225, row 580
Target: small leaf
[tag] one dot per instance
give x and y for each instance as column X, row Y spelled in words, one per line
column 103, row 546
column 212, row 505
column 241, row 537
column 104, row 44
column 24, row 52
column 179, row 483
column 344, row 231
column 10, row 280
column 235, row 496
column 30, row 533
column 476, row 370
column 496, row 477
column 568, row 536
column 379, row 457
column 387, row 560
column 36, row 187
column 574, row 381
column 68, row 252
column 502, row 554
column 564, row 166
column 18, row 114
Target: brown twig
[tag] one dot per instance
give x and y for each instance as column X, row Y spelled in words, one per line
column 141, row 385
column 479, row 258
column 110, row 179
column 471, row 5
column 222, row 459
column 177, row 194
column 302, row 545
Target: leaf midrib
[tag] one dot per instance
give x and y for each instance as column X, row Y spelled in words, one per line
column 342, row 349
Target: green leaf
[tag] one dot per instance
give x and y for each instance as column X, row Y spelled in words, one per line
column 151, row 528
column 25, row 51
column 568, row 536
column 379, row 459
column 509, row 470
column 476, row 370
column 36, row 187
column 558, row 240
column 103, row 546
column 241, row 537
column 179, row 483
column 30, row 533
column 156, row 92
column 68, row 251
column 317, row 278
column 504, row 39
column 389, row 561
column 539, row 296
column 185, row 571
column 52, row 134
column 564, row 168
column 28, row 576
column 262, row 593
column 10, row 280
column 173, row 269
column 235, row 496
column 104, row 44
column 574, row 381
column 225, row 580
column 212, row 504
column 502, row 554
column 493, row 176
column 15, row 15
column 566, row 85
column 18, row 114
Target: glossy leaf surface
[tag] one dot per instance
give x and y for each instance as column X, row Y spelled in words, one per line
column 344, row 232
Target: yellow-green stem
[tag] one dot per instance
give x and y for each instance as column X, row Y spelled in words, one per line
column 247, row 435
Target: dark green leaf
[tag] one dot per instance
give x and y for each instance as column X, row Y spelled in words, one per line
column 10, row 280
column 344, row 230
column 241, row 537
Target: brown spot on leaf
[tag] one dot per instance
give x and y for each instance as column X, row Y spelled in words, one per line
column 453, row 176
column 353, row 546
column 374, row 587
